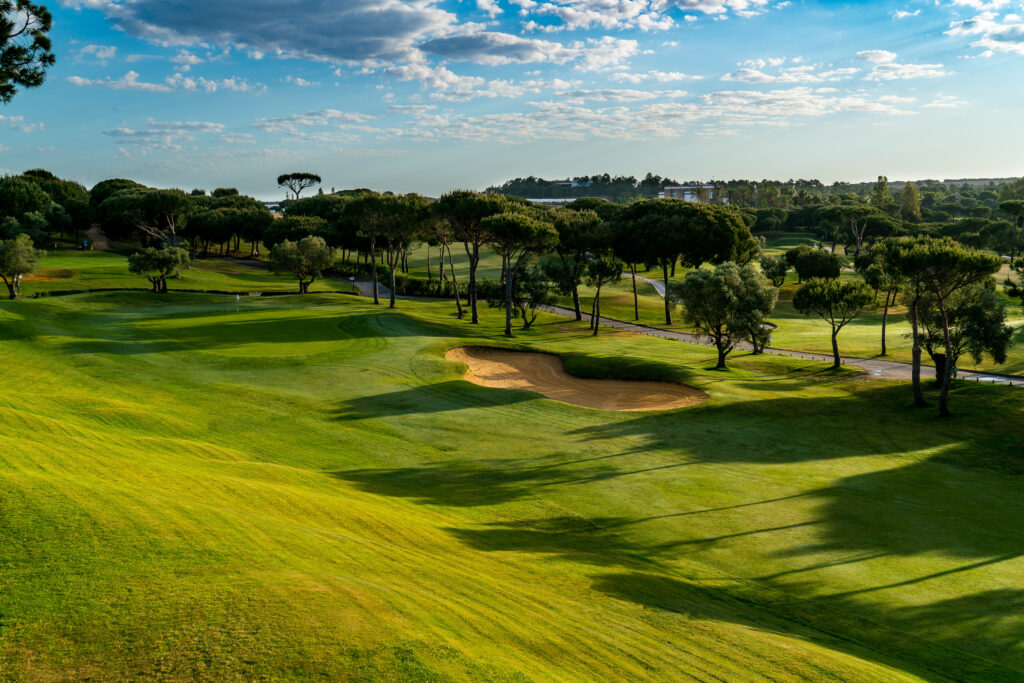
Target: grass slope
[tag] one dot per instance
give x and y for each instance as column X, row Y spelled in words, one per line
column 307, row 488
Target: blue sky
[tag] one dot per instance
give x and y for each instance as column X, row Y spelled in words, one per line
column 425, row 95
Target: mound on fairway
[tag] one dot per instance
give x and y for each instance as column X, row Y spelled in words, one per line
column 546, row 375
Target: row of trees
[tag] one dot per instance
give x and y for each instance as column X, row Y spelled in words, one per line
column 947, row 287
column 664, row 233
column 43, row 207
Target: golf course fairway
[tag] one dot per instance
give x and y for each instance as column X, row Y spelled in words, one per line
column 308, row 488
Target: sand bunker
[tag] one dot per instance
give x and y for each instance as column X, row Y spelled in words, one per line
column 546, row 375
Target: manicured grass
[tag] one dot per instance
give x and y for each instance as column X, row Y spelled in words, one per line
column 306, row 488
column 70, row 270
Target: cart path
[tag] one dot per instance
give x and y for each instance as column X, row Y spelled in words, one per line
column 885, row 369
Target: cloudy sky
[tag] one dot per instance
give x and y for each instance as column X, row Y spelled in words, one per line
column 426, row 95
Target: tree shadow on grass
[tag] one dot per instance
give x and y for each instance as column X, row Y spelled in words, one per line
column 434, row 398
column 227, row 331
column 469, row 483
column 869, row 420
column 919, row 640
column 589, row 541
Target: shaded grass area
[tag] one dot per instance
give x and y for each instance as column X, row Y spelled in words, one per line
column 63, row 271
column 307, row 488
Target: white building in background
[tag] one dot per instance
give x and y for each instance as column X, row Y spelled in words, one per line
column 693, row 192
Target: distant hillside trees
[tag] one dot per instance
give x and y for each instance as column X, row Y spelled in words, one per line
column 42, row 206
column 616, row 188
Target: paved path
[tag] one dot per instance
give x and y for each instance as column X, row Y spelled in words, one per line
column 886, row 369
column 658, row 285
column 97, row 240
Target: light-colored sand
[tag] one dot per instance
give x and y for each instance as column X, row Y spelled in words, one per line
column 546, row 375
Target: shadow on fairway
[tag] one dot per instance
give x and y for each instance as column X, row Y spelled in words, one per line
column 919, row 640
column 469, row 484
column 228, row 330
column 869, row 421
column 434, row 398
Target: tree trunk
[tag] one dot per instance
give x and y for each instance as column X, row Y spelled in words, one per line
column 393, row 257
column 508, row 296
column 596, row 318
column 885, row 318
column 474, row 259
column 576, row 302
column 915, row 371
column 836, row 363
column 430, row 273
column 721, row 357
column 947, row 365
column 440, row 269
column 668, row 309
column 636, row 300
column 455, row 283
column 391, row 302
column 373, row 252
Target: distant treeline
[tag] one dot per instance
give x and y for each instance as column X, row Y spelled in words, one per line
column 615, row 188
column 756, row 194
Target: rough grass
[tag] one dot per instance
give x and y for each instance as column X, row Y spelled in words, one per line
column 308, row 489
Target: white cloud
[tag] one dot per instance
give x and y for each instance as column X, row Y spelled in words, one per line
column 901, row 72
column 446, row 85
column 876, row 56
column 302, row 82
column 100, row 53
column 996, row 34
column 768, row 71
column 186, row 60
column 164, row 135
column 946, row 102
column 130, row 81
column 903, row 14
column 296, row 123
column 496, row 48
column 19, row 123
column 190, row 84
column 348, row 30
column 619, row 95
column 659, row 76
column 570, row 119
column 490, row 6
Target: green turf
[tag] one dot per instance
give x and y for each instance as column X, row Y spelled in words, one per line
column 71, row 270
column 306, row 488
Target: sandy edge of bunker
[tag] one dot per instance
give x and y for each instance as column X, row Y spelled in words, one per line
column 545, row 374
